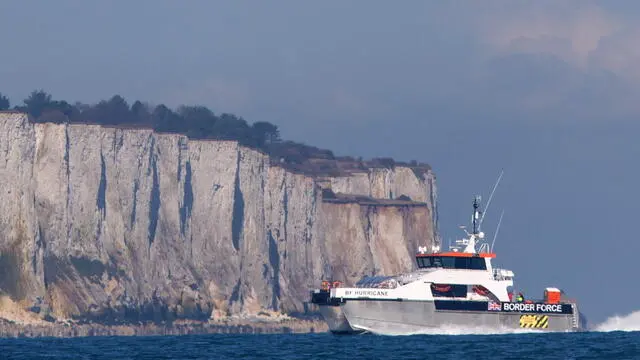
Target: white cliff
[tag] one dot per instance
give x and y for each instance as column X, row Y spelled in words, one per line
column 111, row 223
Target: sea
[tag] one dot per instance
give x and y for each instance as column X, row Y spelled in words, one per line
column 616, row 338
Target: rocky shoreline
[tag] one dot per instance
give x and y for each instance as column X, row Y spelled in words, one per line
column 12, row 329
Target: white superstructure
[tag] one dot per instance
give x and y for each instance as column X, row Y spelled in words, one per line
column 465, row 272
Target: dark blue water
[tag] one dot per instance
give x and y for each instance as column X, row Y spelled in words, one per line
column 613, row 345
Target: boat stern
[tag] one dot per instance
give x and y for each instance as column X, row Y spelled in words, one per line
column 331, row 311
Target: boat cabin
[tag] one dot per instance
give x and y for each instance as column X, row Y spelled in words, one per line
column 454, row 260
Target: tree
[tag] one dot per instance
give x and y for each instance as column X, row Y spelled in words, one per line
column 231, row 127
column 140, row 113
column 83, row 113
column 52, row 116
column 5, row 104
column 198, row 121
column 37, row 102
column 62, row 106
column 164, row 120
column 265, row 133
column 113, row 112
column 57, row 112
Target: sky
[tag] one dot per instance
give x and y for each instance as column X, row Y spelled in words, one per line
column 546, row 90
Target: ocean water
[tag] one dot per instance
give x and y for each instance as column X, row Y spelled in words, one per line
column 592, row 345
column 616, row 338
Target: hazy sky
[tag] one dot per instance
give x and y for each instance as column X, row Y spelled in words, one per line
column 547, row 90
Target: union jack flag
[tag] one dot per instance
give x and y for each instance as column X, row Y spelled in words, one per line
column 493, row 306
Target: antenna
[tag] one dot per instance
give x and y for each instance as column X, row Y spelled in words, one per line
column 495, row 235
column 490, row 197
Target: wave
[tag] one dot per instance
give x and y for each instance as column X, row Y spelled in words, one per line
column 450, row 330
column 629, row 322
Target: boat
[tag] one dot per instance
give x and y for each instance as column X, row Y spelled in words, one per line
column 455, row 289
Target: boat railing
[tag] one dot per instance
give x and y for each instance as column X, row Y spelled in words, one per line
column 378, row 282
column 562, row 301
column 502, row 274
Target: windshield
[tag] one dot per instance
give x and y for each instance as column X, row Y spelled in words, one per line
column 452, row 262
column 381, row 282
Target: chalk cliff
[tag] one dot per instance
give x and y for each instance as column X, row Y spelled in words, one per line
column 106, row 224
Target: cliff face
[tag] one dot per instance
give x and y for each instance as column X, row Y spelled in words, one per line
column 110, row 223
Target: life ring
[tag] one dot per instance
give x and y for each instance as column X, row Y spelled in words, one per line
column 325, row 285
column 441, row 288
column 480, row 290
column 336, row 284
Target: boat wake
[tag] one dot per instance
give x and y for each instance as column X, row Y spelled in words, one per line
column 629, row 322
column 453, row 330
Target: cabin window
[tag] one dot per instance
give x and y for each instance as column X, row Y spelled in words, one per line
column 462, row 263
column 449, row 262
column 448, row 290
column 452, row 262
column 483, row 291
column 477, row 263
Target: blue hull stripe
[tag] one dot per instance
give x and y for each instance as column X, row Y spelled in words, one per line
column 483, row 306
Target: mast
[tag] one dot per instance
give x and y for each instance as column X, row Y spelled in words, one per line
column 476, row 234
column 468, row 245
column 476, row 215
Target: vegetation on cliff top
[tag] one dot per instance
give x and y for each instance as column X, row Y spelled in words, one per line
column 196, row 122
